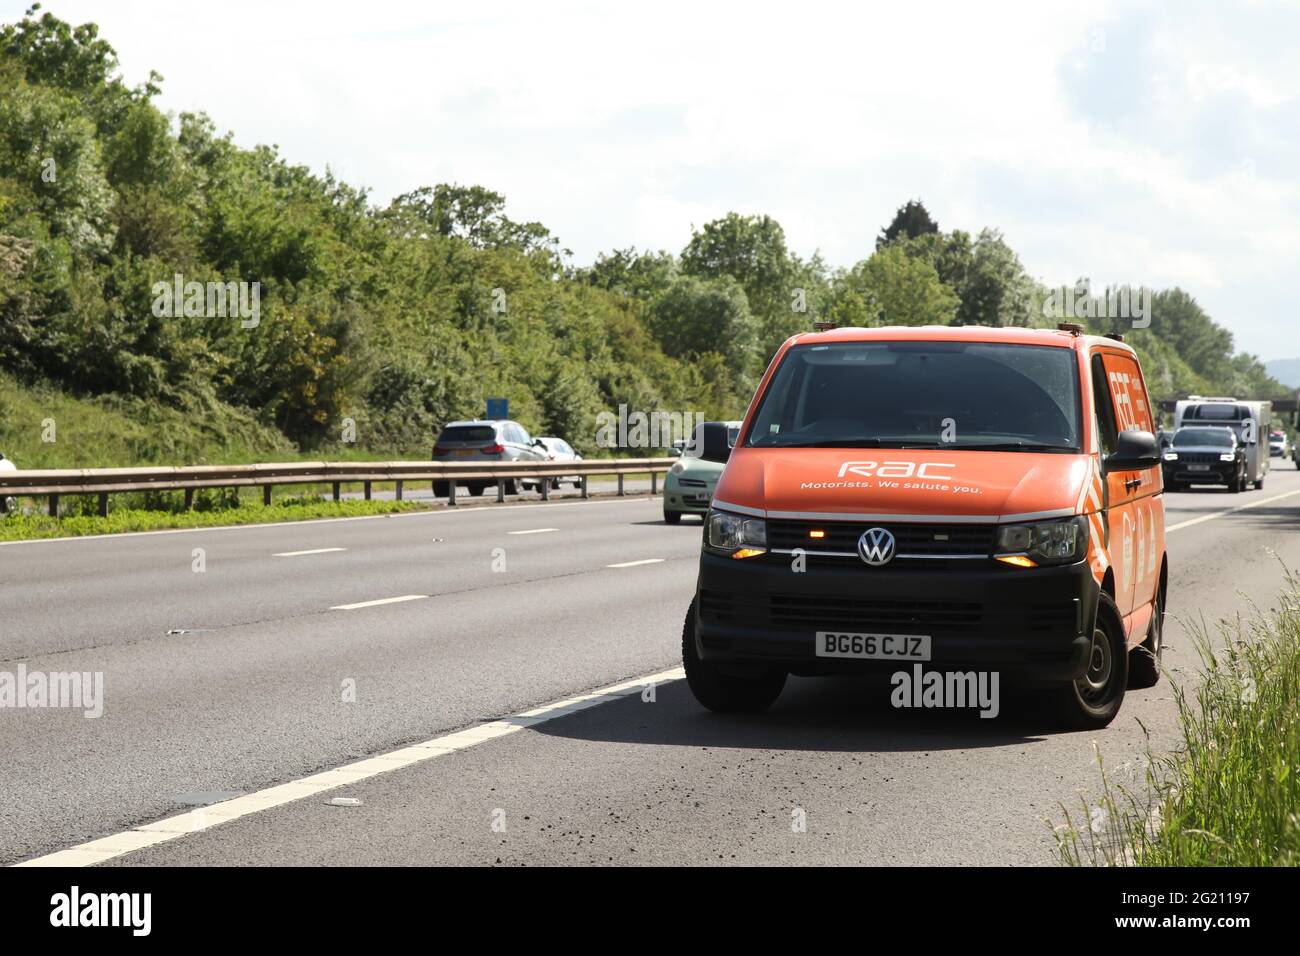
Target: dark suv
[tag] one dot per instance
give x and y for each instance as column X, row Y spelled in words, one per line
column 1205, row 456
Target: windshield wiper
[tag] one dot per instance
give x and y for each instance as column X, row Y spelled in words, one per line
column 1013, row 446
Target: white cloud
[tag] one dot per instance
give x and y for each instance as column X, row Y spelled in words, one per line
column 1144, row 143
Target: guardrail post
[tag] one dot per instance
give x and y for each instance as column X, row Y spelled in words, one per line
column 654, row 482
column 546, row 489
column 620, row 486
column 54, row 506
column 266, row 495
column 451, row 492
column 189, row 498
column 103, row 504
column 501, row 490
column 584, row 486
column 336, row 491
column 398, row 492
column 367, row 490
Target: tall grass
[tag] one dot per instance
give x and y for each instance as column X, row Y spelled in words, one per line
column 1231, row 795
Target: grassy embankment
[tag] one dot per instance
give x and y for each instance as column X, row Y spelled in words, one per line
column 1231, row 795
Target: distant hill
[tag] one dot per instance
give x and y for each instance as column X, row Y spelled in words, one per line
column 1286, row 371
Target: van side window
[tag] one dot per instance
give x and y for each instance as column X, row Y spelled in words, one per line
column 1107, row 433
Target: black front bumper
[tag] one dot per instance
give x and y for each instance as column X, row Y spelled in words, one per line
column 1034, row 623
column 1225, row 474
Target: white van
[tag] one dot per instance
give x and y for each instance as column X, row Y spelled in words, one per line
column 1251, row 421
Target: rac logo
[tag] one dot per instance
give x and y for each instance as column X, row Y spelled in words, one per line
column 893, row 469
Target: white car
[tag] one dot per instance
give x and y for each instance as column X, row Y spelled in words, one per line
column 557, row 449
column 7, row 503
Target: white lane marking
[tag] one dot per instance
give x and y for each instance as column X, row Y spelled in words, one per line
column 1219, row 514
column 294, row 554
column 534, row 531
column 633, row 564
column 308, row 522
column 204, row 818
column 392, row 600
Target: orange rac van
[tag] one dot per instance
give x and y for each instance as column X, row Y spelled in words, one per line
column 968, row 498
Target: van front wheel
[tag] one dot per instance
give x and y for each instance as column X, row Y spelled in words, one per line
column 1092, row 701
column 725, row 693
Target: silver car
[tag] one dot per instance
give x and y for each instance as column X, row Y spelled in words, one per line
column 485, row 440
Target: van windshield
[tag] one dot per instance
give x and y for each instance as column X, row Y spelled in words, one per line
column 922, row 394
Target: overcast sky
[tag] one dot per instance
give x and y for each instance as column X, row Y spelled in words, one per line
column 1154, row 144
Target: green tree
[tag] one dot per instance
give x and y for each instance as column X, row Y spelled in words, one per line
column 696, row 316
column 904, row 289
column 752, row 251
column 911, row 220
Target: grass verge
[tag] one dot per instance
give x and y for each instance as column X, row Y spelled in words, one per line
column 24, row 527
column 1231, row 795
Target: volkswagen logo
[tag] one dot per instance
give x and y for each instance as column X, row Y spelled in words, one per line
column 876, row 547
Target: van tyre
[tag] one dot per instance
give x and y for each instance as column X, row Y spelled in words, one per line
column 721, row 692
column 672, row 517
column 440, row 489
column 1144, row 660
column 1092, row 701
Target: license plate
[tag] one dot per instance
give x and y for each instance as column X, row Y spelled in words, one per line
column 466, row 452
column 1198, row 467
column 874, row 647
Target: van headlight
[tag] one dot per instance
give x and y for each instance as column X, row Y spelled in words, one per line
column 729, row 533
column 1229, row 456
column 1043, row 542
column 1171, row 456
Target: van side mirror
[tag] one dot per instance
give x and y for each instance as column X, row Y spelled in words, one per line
column 1134, row 450
column 710, row 443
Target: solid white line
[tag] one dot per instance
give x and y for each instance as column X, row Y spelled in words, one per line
column 1219, row 514
column 633, row 564
column 533, row 531
column 204, row 818
column 392, row 600
column 294, row 554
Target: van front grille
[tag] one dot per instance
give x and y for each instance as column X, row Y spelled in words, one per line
column 924, row 540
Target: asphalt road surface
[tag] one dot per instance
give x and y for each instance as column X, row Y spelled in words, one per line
column 240, row 660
